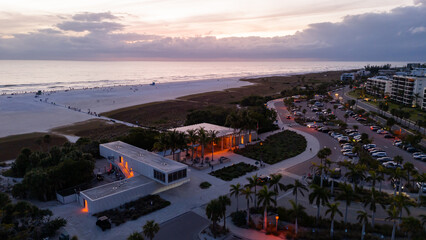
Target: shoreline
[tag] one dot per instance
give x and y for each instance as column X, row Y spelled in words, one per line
column 26, row 113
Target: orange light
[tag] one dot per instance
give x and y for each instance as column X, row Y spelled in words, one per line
column 86, row 208
column 277, row 217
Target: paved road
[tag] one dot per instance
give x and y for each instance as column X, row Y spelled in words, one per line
column 186, row 226
column 371, row 108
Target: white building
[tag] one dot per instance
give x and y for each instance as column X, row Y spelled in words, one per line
column 146, row 173
column 408, row 90
column 347, row 77
column 379, row 86
column 227, row 137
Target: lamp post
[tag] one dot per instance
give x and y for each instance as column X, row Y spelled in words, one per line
column 276, row 222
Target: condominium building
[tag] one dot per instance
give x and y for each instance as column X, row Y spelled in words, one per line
column 347, row 77
column 379, row 86
column 408, row 90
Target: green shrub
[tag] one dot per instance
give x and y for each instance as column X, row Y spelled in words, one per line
column 239, row 218
column 205, row 185
column 233, row 171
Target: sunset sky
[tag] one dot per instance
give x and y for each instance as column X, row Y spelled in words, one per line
column 220, row 29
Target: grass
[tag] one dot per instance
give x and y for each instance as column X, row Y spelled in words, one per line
column 95, row 129
column 415, row 114
column 276, row 148
column 233, row 171
column 173, row 113
column 135, row 209
column 11, row 146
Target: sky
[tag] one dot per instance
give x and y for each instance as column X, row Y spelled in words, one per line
column 350, row 30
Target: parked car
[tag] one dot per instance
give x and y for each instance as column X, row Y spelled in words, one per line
column 337, row 173
column 389, row 136
column 368, row 146
column 379, row 155
column 411, row 149
column 343, row 139
column 392, row 164
column 384, row 159
column 374, row 128
column 263, row 179
column 419, row 157
column 349, row 154
column 419, row 186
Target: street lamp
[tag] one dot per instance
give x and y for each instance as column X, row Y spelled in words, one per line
column 276, row 223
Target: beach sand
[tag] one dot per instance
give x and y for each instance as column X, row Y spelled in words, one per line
column 25, row 113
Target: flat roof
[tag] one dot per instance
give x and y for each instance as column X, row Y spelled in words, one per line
column 221, row 131
column 146, row 157
column 116, row 187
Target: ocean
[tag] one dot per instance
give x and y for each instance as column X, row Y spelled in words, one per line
column 18, row 76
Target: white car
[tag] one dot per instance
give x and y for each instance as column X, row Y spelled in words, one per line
column 368, row 146
column 379, row 155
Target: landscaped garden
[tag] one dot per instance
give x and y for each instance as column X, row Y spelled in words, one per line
column 276, row 148
column 135, row 209
column 233, row 171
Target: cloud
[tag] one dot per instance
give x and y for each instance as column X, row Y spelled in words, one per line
column 90, row 26
column 94, row 17
column 415, row 30
column 396, row 35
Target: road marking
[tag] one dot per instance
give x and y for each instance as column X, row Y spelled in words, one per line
column 386, row 146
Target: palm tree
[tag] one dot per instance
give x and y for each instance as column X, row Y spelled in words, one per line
column 323, row 154
column 135, row 236
column 347, row 195
column 162, row 143
column 397, row 174
column 213, row 138
column 247, row 193
column 234, row 121
column 332, row 209
column 409, row 167
column 356, row 173
column 296, row 210
column 402, row 202
column 213, row 212
column 203, row 138
column 392, row 216
column 371, row 200
column 150, row 229
column 253, row 182
column 373, row 177
column 411, row 225
column 362, row 218
column 224, row 201
column 422, row 179
column 276, row 185
column 236, row 191
column 320, row 196
column 266, row 199
column 192, row 138
column 175, row 141
column 381, row 176
column 298, row 187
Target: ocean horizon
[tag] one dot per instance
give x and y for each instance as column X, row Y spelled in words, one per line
column 20, row 76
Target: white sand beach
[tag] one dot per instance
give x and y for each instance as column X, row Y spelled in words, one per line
column 25, row 113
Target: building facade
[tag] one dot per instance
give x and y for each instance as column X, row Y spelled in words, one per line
column 408, row 90
column 379, row 86
column 145, row 173
column 347, row 77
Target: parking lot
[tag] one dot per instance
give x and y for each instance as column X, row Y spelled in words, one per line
column 385, row 147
